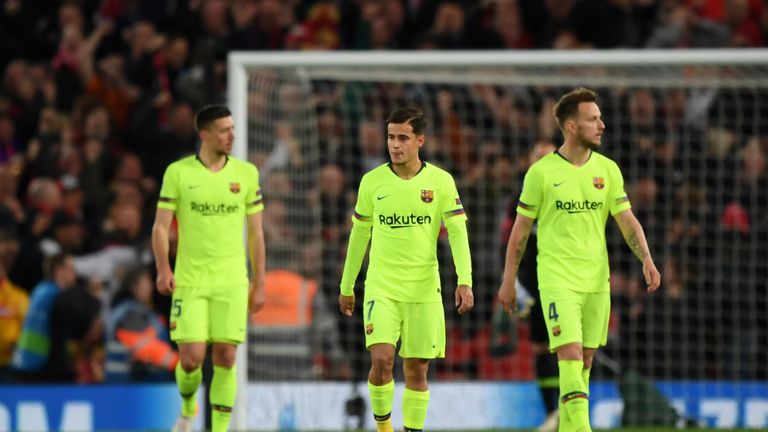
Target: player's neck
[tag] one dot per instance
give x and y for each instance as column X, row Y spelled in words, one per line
column 575, row 153
column 407, row 170
column 211, row 159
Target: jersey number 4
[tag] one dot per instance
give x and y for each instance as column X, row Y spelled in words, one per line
column 552, row 312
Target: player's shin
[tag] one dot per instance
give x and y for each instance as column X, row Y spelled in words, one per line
column 188, row 383
column 585, row 377
column 414, row 409
column 381, row 404
column 574, row 394
column 223, row 393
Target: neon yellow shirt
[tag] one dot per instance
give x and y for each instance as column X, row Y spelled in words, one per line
column 405, row 218
column 572, row 205
column 210, row 209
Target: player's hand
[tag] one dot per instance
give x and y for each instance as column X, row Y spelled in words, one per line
column 507, row 297
column 465, row 300
column 347, row 304
column 166, row 283
column 256, row 296
column 651, row 274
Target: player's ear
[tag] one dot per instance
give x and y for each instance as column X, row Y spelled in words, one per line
column 420, row 139
column 570, row 126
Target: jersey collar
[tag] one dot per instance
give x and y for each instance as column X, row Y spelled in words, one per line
column 197, row 156
column 557, row 152
column 423, row 165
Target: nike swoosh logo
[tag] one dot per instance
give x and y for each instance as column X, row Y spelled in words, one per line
column 558, row 184
column 194, row 187
column 382, row 197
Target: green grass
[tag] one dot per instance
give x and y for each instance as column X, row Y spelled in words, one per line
column 627, row 429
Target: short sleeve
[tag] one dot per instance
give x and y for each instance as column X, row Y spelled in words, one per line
column 529, row 203
column 169, row 191
column 617, row 197
column 364, row 207
column 451, row 206
column 254, row 201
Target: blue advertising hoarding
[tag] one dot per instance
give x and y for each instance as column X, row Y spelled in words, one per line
column 88, row 408
column 321, row 405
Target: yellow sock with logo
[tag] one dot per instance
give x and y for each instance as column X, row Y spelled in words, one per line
column 415, row 409
column 188, row 383
column 381, row 405
column 574, row 395
column 223, row 394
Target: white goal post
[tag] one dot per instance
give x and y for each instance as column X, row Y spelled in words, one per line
column 511, row 68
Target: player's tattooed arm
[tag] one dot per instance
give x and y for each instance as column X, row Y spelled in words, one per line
column 635, row 245
column 521, row 249
column 518, row 239
column 633, row 234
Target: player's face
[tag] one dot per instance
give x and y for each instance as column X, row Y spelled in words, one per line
column 589, row 125
column 402, row 143
column 220, row 136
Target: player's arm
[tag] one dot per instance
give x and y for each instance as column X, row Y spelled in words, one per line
column 358, row 244
column 635, row 237
column 166, row 284
column 257, row 255
column 518, row 239
column 462, row 260
column 455, row 220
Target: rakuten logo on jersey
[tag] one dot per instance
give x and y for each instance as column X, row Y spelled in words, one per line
column 574, row 206
column 404, row 221
column 208, row 209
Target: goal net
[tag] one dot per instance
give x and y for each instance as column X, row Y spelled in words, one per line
column 688, row 130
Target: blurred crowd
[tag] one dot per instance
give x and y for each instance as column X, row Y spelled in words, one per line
column 98, row 97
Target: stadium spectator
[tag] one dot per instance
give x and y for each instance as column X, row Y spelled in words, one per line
column 138, row 346
column 97, row 99
column 34, row 356
column 14, row 303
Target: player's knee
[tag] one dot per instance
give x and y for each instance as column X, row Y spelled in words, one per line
column 382, row 363
column 224, row 355
column 416, row 372
column 190, row 363
column 572, row 351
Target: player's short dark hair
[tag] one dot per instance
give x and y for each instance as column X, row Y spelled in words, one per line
column 568, row 105
column 209, row 114
column 412, row 116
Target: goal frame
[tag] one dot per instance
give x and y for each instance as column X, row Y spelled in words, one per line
column 240, row 62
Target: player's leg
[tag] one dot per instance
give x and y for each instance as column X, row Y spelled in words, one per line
column 381, row 323
column 189, row 328
column 223, row 385
column 597, row 311
column 416, row 394
column 229, row 306
column 381, row 384
column 423, row 339
column 563, row 310
column 545, row 366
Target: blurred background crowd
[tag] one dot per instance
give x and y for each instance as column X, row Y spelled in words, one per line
column 98, row 97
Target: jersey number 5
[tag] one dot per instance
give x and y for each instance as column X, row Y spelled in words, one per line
column 176, row 308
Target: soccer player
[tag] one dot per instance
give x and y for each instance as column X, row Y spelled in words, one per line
column 211, row 195
column 400, row 207
column 570, row 193
column 527, row 284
